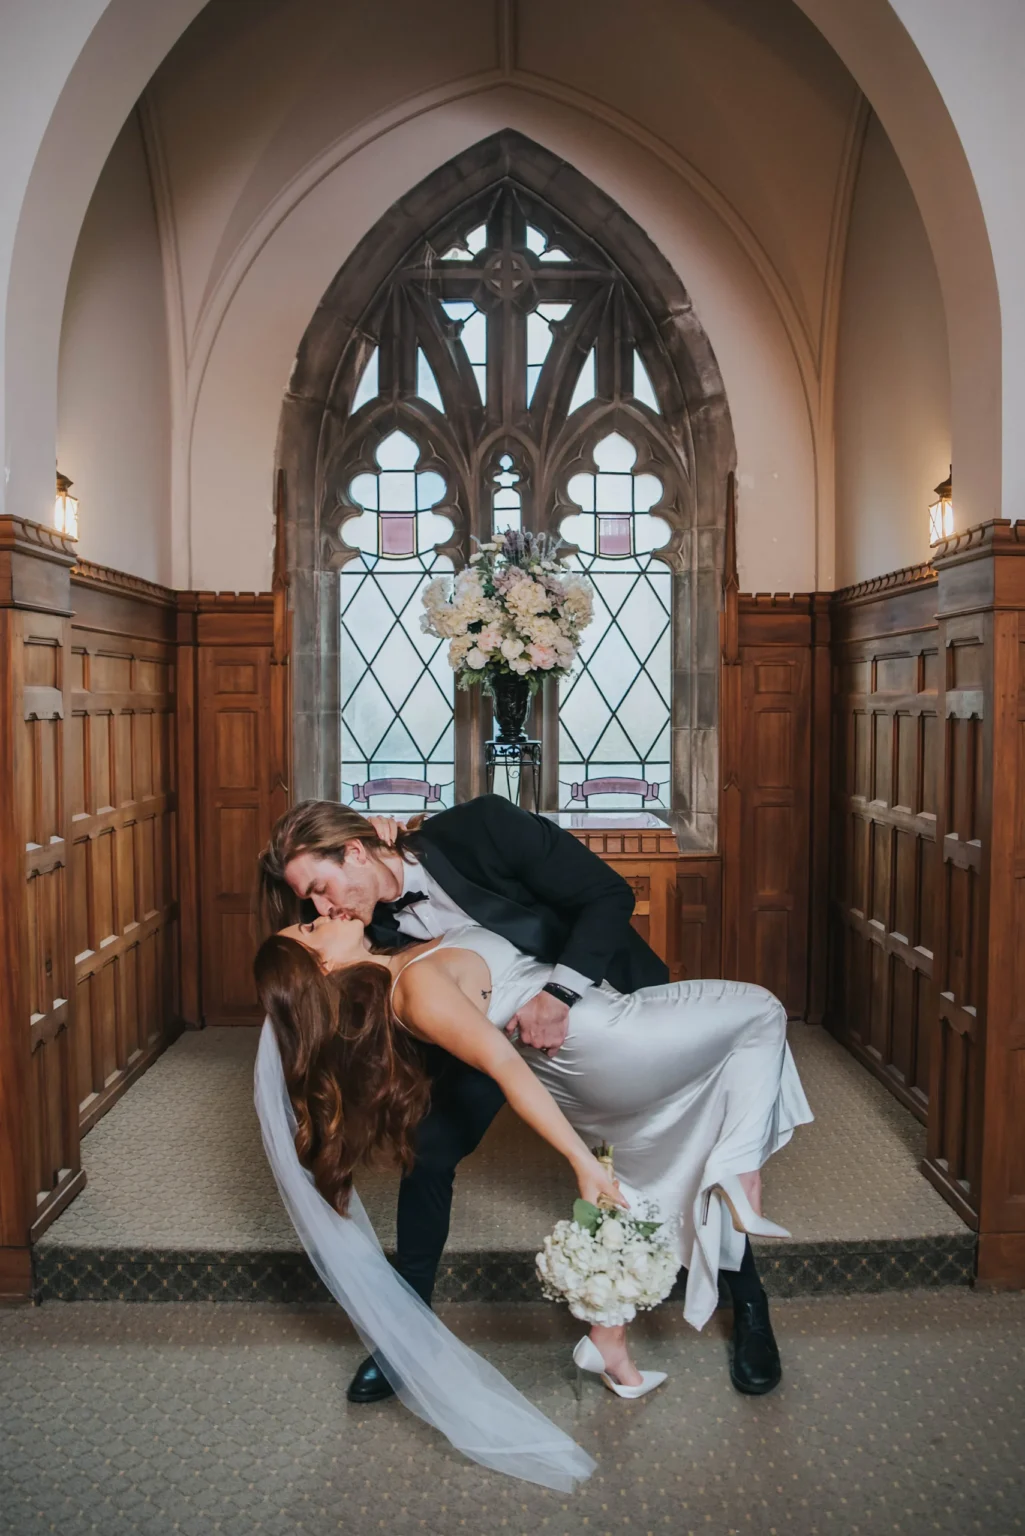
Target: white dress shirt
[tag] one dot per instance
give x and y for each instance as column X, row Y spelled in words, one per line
column 438, row 914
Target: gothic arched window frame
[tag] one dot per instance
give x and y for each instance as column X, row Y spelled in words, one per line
column 687, row 443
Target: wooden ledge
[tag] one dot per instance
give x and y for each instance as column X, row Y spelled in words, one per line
column 19, row 536
column 910, row 578
column 103, row 578
column 987, row 540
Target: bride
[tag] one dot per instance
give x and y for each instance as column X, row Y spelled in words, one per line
column 691, row 1082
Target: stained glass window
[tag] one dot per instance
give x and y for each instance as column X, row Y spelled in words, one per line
column 366, row 390
column 426, row 383
column 508, row 512
column 507, row 387
column 584, row 390
column 539, row 340
column 471, row 327
column 397, row 691
column 644, row 390
column 614, row 712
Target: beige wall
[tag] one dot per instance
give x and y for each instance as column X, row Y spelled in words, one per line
column 893, row 377
column 113, row 405
column 724, row 128
column 725, row 131
column 237, row 409
column 740, row 95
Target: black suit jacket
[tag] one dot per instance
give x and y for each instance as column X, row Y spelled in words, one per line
column 527, row 879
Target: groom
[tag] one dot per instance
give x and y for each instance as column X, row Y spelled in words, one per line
column 520, row 875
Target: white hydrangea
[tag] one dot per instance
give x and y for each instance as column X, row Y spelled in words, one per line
column 610, row 1276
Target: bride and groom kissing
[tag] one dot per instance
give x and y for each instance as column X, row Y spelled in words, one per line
column 416, row 978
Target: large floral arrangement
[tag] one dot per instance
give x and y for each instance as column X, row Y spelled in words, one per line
column 514, row 609
column 606, row 1263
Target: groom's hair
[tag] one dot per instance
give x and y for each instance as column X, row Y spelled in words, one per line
column 323, row 828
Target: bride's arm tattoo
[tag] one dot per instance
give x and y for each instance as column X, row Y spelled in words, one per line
column 485, row 993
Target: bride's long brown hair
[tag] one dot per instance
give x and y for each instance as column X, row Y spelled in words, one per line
column 356, row 1080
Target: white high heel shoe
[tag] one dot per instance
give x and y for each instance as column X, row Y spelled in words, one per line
column 745, row 1217
column 588, row 1357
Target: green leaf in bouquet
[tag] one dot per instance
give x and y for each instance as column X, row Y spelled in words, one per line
column 587, row 1216
column 647, row 1228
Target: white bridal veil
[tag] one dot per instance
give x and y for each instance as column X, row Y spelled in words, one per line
column 435, row 1375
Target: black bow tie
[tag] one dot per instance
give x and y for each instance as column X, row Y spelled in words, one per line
column 402, row 902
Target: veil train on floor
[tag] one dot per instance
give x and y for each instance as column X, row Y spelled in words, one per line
column 436, row 1376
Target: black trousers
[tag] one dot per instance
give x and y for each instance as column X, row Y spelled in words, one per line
column 463, row 1104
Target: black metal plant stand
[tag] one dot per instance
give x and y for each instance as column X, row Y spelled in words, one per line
column 510, row 760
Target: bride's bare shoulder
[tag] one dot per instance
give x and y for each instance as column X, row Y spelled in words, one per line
column 441, row 970
column 425, row 974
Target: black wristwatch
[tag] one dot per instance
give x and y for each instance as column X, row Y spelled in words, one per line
column 564, row 994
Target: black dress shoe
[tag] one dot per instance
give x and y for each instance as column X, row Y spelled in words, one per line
column 754, row 1361
column 370, row 1384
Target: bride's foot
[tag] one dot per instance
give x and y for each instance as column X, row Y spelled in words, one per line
column 588, row 1357
column 733, row 1190
column 611, row 1344
column 751, row 1184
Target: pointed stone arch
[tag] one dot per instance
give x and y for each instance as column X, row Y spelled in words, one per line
column 694, row 442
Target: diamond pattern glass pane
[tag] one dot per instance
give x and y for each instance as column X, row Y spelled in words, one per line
column 614, row 712
column 537, row 313
column 397, row 701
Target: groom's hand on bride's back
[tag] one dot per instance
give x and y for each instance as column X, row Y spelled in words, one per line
column 543, row 1023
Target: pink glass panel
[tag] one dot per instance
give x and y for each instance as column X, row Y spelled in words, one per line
column 614, row 536
column 398, row 535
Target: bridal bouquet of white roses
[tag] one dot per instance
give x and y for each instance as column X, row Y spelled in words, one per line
column 514, row 609
column 606, row 1263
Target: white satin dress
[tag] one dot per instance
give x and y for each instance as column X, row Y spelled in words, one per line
column 688, row 1082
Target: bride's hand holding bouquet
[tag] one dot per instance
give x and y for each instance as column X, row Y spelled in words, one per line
column 597, row 1183
column 606, row 1264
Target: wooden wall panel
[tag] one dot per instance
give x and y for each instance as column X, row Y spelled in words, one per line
column 678, row 897
column 41, row 784
column 774, row 729
column 977, row 1071
column 40, row 1169
column 240, row 707
column 886, row 750
column 124, row 896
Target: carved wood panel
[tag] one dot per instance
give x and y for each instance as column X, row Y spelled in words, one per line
column 40, row 1168
column 41, row 787
column 239, row 720
column 124, row 894
column 770, row 702
column 678, row 898
column 954, row 1140
column 886, row 754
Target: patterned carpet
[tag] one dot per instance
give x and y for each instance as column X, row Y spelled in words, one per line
column 898, row 1413
column 177, row 1164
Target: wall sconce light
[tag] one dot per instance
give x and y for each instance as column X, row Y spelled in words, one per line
column 65, row 509
column 941, row 513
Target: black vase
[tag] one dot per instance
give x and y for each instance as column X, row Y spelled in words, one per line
column 511, row 699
